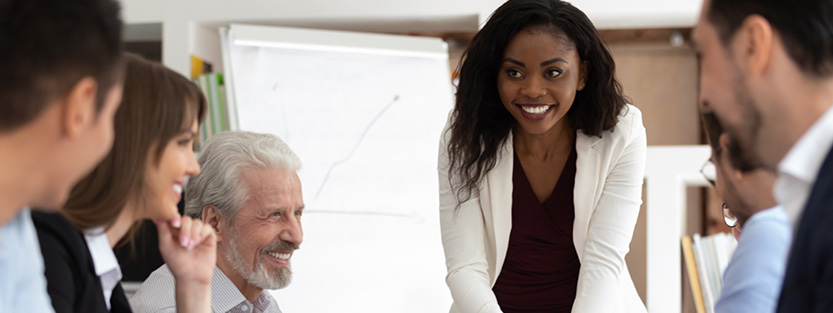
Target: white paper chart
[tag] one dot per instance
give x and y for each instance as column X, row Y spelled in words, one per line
column 366, row 127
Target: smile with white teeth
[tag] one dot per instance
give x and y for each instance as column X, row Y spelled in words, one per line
column 177, row 188
column 280, row 256
column 537, row 109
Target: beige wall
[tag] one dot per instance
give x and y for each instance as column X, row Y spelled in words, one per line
column 662, row 81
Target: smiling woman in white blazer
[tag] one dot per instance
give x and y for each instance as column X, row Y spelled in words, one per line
column 555, row 87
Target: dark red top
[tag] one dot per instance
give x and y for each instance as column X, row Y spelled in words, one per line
column 540, row 273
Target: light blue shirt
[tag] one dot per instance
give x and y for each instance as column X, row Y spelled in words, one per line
column 752, row 281
column 22, row 284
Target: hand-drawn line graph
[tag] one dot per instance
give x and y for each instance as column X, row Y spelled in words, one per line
column 356, row 145
column 366, row 128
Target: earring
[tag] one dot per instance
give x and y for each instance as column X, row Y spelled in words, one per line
column 581, row 87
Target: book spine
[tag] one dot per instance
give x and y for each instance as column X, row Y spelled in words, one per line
column 209, row 124
column 693, row 276
column 702, row 269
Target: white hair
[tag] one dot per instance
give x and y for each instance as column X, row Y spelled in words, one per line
column 223, row 158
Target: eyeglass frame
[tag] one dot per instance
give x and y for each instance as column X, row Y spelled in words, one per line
column 702, row 168
column 728, row 218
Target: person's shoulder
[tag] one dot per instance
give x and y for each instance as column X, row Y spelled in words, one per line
column 156, row 291
column 156, row 294
column 161, row 275
column 20, row 254
column 630, row 117
column 17, row 229
column 54, row 230
column 628, row 125
column 53, row 221
column 768, row 231
column 775, row 217
column 66, row 257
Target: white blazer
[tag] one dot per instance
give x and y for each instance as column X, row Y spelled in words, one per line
column 607, row 196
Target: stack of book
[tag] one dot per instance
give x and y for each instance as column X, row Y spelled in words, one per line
column 706, row 258
column 216, row 120
column 199, row 67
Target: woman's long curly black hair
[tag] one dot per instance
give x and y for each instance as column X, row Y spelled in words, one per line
column 481, row 124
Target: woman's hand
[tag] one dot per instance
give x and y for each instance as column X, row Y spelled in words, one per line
column 189, row 247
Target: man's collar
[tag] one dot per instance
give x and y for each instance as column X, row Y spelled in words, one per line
column 804, row 159
column 225, row 295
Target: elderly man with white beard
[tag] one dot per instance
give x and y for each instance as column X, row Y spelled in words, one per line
column 249, row 191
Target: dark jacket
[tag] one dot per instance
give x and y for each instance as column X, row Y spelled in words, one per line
column 808, row 282
column 71, row 281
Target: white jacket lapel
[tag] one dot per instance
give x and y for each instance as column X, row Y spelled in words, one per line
column 586, row 191
column 496, row 197
column 498, row 212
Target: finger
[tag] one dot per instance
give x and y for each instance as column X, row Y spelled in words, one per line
column 185, row 239
column 206, row 234
column 176, row 222
column 196, row 231
column 164, row 232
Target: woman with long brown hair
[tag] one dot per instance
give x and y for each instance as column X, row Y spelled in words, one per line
column 141, row 178
column 540, row 168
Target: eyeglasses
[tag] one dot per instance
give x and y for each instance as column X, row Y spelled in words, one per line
column 730, row 219
column 709, row 172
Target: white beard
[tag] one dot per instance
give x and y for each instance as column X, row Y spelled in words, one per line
column 259, row 275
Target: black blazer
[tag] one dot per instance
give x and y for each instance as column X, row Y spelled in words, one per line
column 70, row 274
column 140, row 258
column 808, row 282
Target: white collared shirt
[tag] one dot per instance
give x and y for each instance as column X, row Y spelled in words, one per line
column 157, row 295
column 104, row 259
column 798, row 170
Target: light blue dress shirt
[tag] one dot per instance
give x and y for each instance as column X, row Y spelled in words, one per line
column 22, row 284
column 752, row 281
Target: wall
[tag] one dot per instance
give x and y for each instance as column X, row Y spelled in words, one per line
column 605, row 13
column 662, row 81
column 178, row 17
column 142, row 11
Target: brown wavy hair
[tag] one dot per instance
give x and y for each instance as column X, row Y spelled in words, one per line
column 480, row 123
column 157, row 104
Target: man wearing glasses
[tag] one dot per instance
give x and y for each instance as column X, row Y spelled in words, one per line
column 752, row 281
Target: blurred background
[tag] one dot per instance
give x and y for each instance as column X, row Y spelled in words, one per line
column 246, row 54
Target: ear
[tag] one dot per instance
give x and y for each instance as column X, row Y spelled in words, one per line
column 79, row 109
column 723, row 141
column 755, row 44
column 210, row 216
column 582, row 74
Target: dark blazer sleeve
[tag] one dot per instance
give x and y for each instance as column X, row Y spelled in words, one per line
column 70, row 275
column 808, row 282
column 118, row 301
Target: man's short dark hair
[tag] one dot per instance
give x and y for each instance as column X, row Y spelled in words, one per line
column 804, row 26
column 47, row 46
